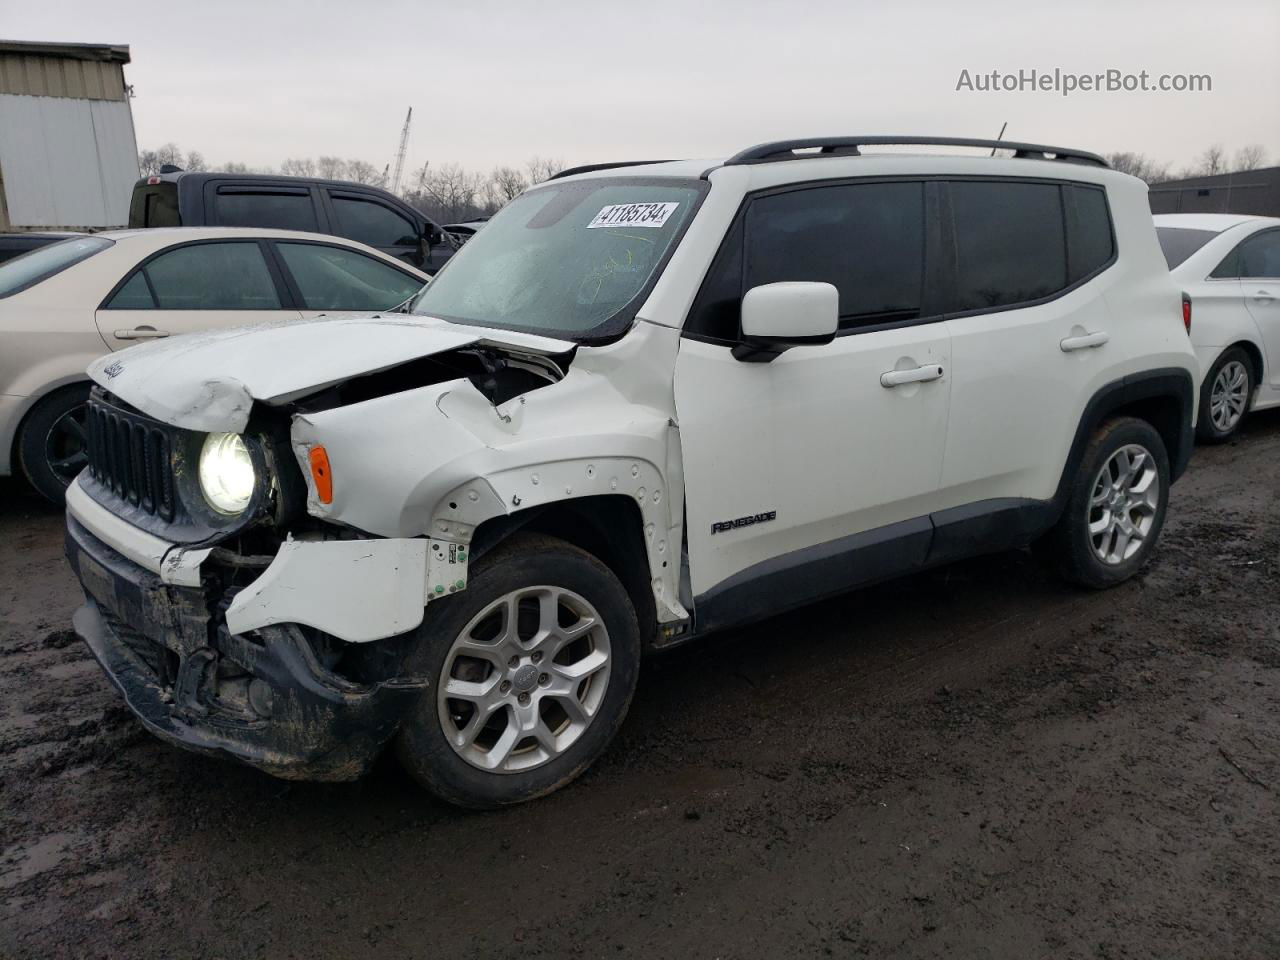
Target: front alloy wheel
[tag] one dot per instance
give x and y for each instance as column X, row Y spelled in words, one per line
column 525, row 679
column 530, row 669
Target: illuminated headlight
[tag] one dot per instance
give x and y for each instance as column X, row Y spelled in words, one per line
column 227, row 477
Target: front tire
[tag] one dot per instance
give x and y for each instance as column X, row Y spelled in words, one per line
column 1225, row 396
column 1116, row 506
column 51, row 443
column 531, row 671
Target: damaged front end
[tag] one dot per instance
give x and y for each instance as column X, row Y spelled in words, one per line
column 160, row 569
column 248, row 633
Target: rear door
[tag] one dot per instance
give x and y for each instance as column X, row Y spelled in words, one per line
column 329, row 279
column 194, row 286
column 1260, row 280
column 1029, row 337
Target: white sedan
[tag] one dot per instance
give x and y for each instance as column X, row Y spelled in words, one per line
column 64, row 305
column 1230, row 266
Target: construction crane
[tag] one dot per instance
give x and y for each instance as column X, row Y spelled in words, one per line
column 394, row 182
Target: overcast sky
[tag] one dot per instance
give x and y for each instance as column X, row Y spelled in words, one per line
column 494, row 82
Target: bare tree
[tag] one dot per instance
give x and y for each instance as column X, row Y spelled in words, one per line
column 305, row 167
column 542, row 168
column 195, row 162
column 148, row 165
column 448, row 193
column 331, row 168
column 362, row 171
column 150, row 161
column 503, row 186
column 1139, row 165
column 1250, row 157
column 1212, row 161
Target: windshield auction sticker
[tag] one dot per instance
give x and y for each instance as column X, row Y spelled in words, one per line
column 633, row 215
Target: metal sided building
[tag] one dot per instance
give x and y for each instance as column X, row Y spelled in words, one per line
column 1255, row 192
column 68, row 155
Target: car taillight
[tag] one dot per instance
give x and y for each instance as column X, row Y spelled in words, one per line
column 1186, row 312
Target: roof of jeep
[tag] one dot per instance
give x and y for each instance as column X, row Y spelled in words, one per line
column 1215, row 222
column 844, row 165
column 780, row 157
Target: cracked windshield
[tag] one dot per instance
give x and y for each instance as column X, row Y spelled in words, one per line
column 563, row 260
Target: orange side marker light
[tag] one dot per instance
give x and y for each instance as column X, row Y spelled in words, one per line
column 320, row 474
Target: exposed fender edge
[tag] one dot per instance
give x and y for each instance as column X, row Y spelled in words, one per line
column 527, row 488
column 357, row 590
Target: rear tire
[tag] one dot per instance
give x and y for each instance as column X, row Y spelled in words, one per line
column 51, row 441
column 1225, row 396
column 543, row 647
column 1115, row 508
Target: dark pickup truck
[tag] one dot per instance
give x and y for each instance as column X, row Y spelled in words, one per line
column 352, row 210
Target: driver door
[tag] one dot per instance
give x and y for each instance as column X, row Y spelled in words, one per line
column 817, row 471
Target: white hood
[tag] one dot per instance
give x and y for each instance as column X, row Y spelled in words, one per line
column 208, row 381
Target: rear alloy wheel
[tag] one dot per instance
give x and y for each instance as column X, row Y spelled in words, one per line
column 52, row 445
column 531, row 671
column 1122, row 510
column 1115, row 507
column 1225, row 396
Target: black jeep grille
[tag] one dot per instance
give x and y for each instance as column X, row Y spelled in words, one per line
column 130, row 455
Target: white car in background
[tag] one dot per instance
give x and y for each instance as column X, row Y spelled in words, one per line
column 1230, row 266
column 65, row 305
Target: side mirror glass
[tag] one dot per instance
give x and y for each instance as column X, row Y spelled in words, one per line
column 777, row 316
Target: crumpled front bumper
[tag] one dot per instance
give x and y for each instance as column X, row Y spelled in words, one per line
column 263, row 699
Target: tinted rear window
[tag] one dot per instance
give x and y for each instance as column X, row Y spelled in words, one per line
column 1179, row 244
column 282, row 211
column 155, row 205
column 39, row 265
column 1010, row 243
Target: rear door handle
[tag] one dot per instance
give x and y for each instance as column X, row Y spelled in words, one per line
column 140, row 333
column 896, row 378
column 1263, row 296
column 1085, row 342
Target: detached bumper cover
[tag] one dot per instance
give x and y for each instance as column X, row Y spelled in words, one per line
column 265, row 701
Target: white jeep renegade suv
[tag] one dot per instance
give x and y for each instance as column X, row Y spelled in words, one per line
column 643, row 404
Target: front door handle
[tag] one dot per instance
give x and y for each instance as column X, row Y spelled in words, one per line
column 1085, row 342
column 143, row 332
column 1263, row 296
column 896, row 378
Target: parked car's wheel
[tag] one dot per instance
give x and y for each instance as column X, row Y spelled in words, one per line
column 1116, row 506
column 1225, row 396
column 532, row 669
column 51, row 444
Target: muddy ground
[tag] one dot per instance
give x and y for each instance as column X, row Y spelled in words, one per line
column 976, row 762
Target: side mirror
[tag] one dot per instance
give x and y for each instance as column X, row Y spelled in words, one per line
column 777, row 316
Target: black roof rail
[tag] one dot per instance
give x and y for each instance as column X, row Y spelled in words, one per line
column 593, row 167
column 849, row 147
